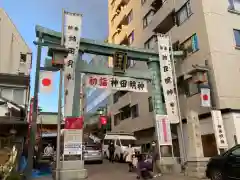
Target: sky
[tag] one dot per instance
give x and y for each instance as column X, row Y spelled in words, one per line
column 25, row 14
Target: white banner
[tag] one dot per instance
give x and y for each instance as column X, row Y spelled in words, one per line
column 72, row 31
column 167, row 78
column 116, row 83
column 205, row 97
column 219, row 130
column 46, row 82
column 163, row 130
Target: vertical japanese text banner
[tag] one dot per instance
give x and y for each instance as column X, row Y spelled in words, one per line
column 72, row 31
column 163, row 130
column 219, row 130
column 167, row 80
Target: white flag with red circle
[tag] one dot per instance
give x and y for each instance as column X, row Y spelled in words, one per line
column 205, row 97
column 46, row 82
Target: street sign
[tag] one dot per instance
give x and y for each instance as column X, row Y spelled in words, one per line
column 120, row 62
column 116, row 83
column 219, row 130
column 72, row 148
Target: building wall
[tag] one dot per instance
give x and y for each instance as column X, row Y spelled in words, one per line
column 11, row 46
column 216, row 49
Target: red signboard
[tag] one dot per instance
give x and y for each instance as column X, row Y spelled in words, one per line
column 103, row 120
column 73, row 123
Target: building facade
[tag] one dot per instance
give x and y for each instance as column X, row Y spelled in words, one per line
column 209, row 34
column 15, row 62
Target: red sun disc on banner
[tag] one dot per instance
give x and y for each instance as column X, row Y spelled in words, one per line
column 46, row 82
column 205, row 97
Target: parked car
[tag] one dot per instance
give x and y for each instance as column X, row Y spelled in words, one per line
column 225, row 166
column 93, row 153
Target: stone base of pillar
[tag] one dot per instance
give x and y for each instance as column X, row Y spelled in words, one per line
column 169, row 165
column 196, row 167
column 72, row 170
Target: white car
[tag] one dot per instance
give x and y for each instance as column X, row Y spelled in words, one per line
column 121, row 142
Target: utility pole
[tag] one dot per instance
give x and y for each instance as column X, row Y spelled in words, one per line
column 33, row 123
column 60, row 108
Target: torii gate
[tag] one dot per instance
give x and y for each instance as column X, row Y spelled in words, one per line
column 52, row 40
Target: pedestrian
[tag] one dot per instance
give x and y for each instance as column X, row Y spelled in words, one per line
column 111, row 150
column 156, row 160
column 35, row 157
column 48, row 150
column 129, row 157
column 144, row 168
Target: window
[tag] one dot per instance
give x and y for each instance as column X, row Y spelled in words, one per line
column 23, row 58
column 126, row 142
column 147, row 19
column 151, row 42
column 130, row 16
column 117, row 118
column 191, row 88
column 236, row 152
column 131, row 37
column 190, row 45
column 118, row 142
column 234, row 5
column 134, row 111
column 150, row 104
column 237, row 37
column 143, row 1
column 15, row 95
column 184, row 13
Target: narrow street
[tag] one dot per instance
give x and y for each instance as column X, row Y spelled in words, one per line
column 118, row 171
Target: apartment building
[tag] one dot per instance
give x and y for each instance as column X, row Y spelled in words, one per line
column 209, row 34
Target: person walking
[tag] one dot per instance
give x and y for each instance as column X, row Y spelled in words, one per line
column 111, row 150
column 156, row 160
column 129, row 157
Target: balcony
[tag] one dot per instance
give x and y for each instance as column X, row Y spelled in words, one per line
column 164, row 22
column 157, row 4
column 122, row 36
column 121, row 18
column 167, row 24
column 120, row 4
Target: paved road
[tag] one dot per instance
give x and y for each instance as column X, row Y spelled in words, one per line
column 118, row 171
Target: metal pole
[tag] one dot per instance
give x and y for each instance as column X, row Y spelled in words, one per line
column 33, row 128
column 59, row 125
column 178, row 105
column 59, row 109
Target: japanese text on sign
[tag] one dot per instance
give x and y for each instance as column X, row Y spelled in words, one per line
column 219, row 129
column 72, row 31
column 116, row 83
column 167, row 78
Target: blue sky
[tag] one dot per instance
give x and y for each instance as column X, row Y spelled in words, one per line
column 25, row 14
